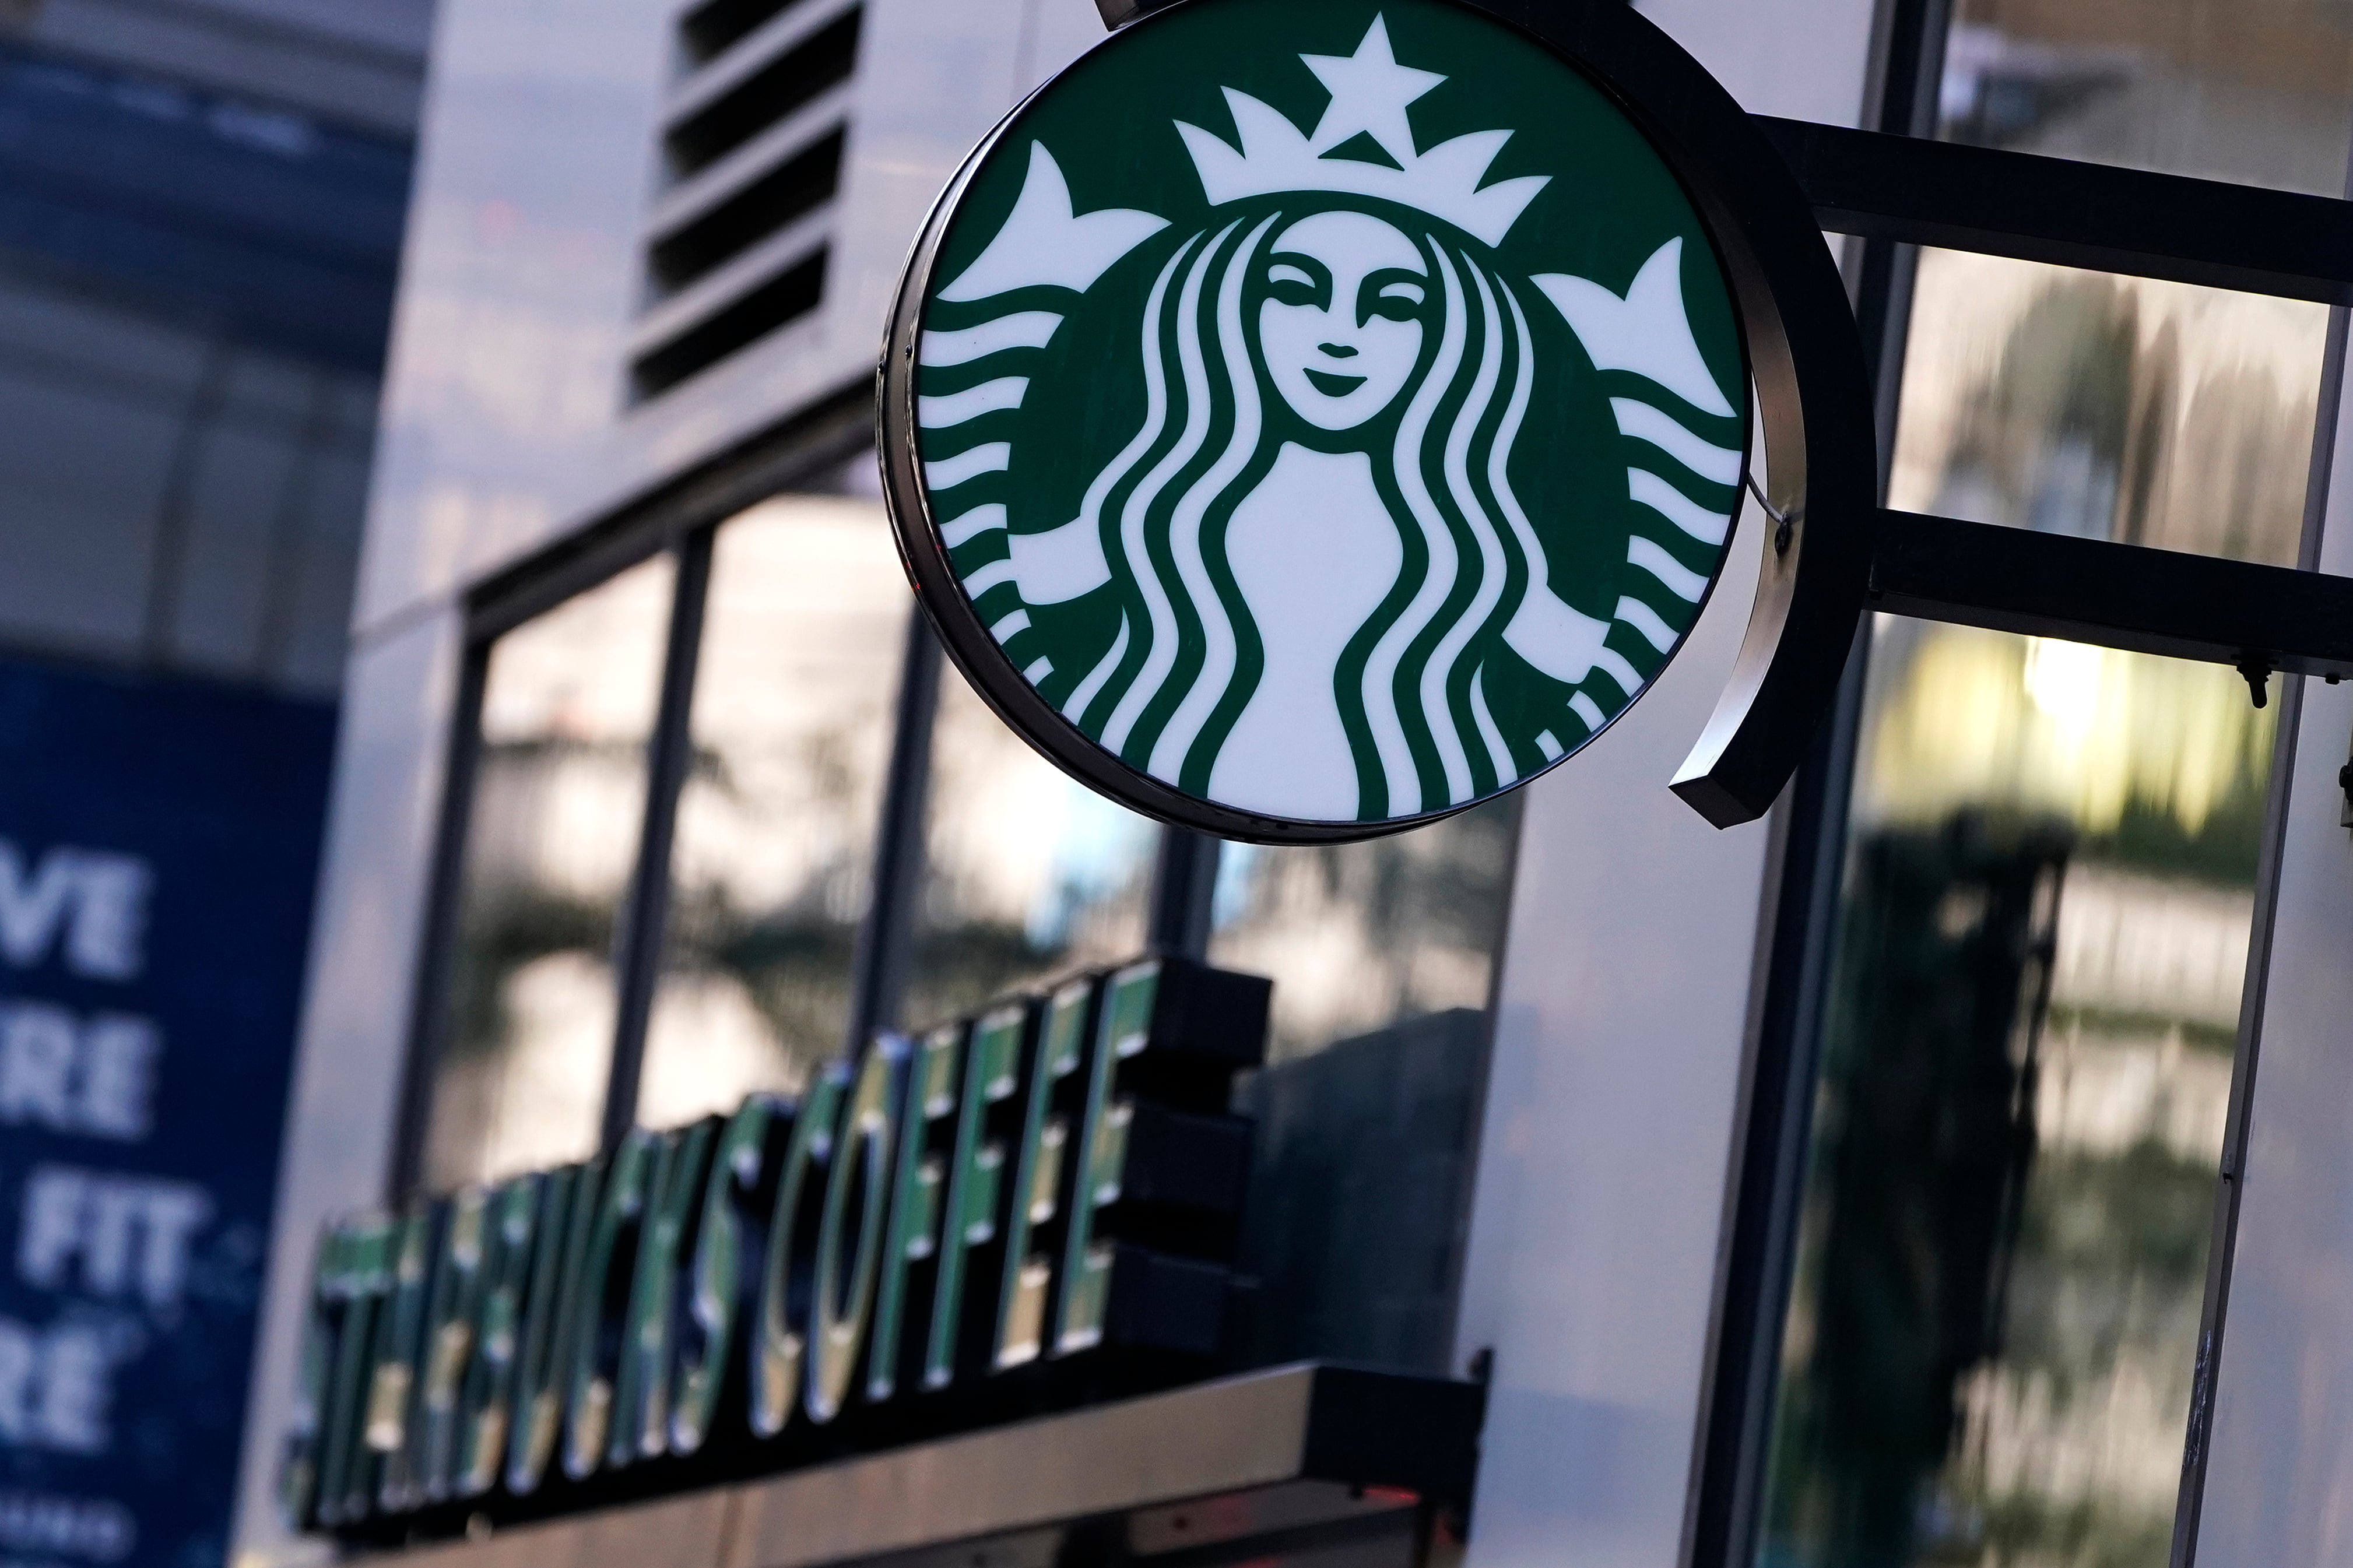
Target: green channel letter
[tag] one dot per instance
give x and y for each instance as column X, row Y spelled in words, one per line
column 857, row 1211
column 550, row 1321
column 449, row 1323
column 514, row 1235
column 593, row 1354
column 1056, row 1097
column 399, row 1357
column 735, row 1201
column 780, row 1342
column 915, row 1239
column 642, row 1414
column 314, row 1383
column 976, row 1194
column 365, row 1282
column 1125, row 1030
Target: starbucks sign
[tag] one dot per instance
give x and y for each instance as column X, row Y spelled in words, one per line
column 1307, row 418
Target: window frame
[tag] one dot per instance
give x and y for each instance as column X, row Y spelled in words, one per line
column 496, row 610
column 1892, row 188
column 679, row 519
column 682, row 521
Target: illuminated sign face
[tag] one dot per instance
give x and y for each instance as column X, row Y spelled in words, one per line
column 1051, row 1183
column 1307, row 419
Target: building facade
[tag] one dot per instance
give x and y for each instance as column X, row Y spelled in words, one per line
column 1872, row 1184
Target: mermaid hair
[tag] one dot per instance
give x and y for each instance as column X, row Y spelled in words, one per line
column 1410, row 685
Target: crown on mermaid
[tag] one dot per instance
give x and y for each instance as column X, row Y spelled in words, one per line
column 1370, row 92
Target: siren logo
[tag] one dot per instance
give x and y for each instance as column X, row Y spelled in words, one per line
column 1335, row 412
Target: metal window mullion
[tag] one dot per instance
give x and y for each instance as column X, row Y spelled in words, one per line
column 638, row 933
column 436, row 948
column 1777, row 1116
column 167, row 556
column 2230, row 1186
column 880, row 961
column 1766, row 1188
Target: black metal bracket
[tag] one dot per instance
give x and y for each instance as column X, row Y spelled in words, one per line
column 2257, row 671
column 2259, row 620
column 2040, row 208
column 1811, row 385
column 2129, row 596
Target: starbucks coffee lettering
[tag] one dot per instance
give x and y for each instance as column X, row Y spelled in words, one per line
column 1012, row 1213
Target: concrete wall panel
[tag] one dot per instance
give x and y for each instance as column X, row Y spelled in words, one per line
column 397, row 700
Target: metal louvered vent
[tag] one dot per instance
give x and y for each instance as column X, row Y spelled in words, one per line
column 751, row 142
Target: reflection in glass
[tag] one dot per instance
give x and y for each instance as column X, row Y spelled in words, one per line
column 1027, row 872
column 2124, row 408
column 803, row 625
column 2026, row 1061
column 568, row 706
column 1361, row 936
column 2259, row 91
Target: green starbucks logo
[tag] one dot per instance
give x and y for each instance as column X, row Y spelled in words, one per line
column 1333, row 411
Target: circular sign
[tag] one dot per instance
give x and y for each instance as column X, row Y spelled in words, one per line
column 1307, row 418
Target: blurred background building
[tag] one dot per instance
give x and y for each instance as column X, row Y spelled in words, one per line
column 201, row 231
column 201, row 212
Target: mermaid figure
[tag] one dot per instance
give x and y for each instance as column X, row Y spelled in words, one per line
column 1321, row 569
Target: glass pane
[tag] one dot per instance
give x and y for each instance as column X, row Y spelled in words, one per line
column 1027, row 872
column 2124, row 408
column 2025, row 1068
column 1366, row 1114
column 2260, row 91
column 803, row 626
column 568, row 706
column 1362, row 936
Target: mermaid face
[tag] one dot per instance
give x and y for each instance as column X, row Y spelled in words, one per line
column 1342, row 322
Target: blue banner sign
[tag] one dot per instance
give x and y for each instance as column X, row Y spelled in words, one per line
column 158, row 848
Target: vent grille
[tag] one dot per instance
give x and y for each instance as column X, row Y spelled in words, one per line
column 789, row 295
column 711, row 28
column 752, row 145
column 750, row 106
column 736, row 222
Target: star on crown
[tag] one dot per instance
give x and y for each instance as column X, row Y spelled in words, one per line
column 1370, row 94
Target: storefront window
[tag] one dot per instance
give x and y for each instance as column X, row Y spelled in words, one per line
column 1363, row 936
column 1027, row 872
column 1382, row 955
column 568, row 707
column 2025, row 1068
column 803, row 626
column 2258, row 91
column 2124, row 408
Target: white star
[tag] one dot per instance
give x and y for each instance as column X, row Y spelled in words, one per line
column 1369, row 93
